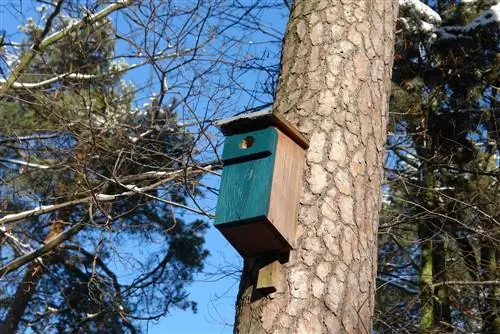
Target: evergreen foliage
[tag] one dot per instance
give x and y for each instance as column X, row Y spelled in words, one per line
column 127, row 260
column 438, row 253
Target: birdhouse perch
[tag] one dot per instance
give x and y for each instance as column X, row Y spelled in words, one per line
column 261, row 182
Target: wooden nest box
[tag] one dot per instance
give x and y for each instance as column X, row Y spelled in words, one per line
column 261, row 183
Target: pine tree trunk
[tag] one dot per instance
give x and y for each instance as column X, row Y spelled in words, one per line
column 27, row 288
column 425, row 235
column 335, row 79
column 434, row 302
column 489, row 270
column 442, row 311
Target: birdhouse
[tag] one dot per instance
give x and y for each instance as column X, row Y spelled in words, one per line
column 261, row 183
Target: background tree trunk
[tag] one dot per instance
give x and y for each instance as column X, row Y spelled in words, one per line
column 27, row 288
column 335, row 79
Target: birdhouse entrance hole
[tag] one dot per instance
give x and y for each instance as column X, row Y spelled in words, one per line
column 246, row 142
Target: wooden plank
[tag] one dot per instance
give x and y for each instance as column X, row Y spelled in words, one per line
column 245, row 191
column 291, row 131
column 249, row 145
column 255, row 238
column 269, row 277
column 259, row 120
column 286, row 187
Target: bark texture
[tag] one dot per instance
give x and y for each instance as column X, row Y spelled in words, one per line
column 334, row 85
column 27, row 288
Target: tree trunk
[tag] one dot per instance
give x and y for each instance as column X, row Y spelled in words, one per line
column 335, row 79
column 27, row 287
column 425, row 235
column 489, row 270
column 434, row 302
column 24, row 292
column 442, row 311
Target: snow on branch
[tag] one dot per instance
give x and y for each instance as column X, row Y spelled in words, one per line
column 25, row 163
column 417, row 9
column 17, row 244
column 34, row 254
column 58, row 35
column 29, row 137
column 100, row 197
column 489, row 16
column 76, row 76
column 417, row 17
column 466, row 283
column 82, row 77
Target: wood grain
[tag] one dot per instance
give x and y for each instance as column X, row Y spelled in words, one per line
column 286, row 187
column 259, row 120
column 269, row 277
column 258, row 201
column 246, row 185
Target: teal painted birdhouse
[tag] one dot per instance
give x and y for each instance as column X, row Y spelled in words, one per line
column 261, row 183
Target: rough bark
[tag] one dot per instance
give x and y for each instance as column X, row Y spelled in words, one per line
column 434, row 302
column 442, row 310
column 489, row 270
column 426, row 293
column 335, row 79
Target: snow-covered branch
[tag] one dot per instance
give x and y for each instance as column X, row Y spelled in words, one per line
column 417, row 17
column 82, row 77
column 25, row 163
column 487, row 17
column 15, row 139
column 47, row 247
column 26, row 85
column 53, row 38
column 101, row 197
column 466, row 283
column 418, row 9
column 17, row 244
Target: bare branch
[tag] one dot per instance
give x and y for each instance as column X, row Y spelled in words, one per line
column 465, row 283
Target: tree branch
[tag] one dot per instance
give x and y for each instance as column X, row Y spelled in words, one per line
column 25, row 163
column 465, row 283
column 26, row 85
column 80, row 76
column 51, row 39
column 421, row 18
column 396, row 284
column 420, row 10
column 17, row 244
column 50, row 245
column 133, row 190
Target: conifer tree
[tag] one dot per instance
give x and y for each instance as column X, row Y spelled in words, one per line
column 438, row 270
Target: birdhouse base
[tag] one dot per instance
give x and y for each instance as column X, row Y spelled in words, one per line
column 254, row 237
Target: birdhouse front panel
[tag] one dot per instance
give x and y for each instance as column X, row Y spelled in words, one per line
column 247, row 176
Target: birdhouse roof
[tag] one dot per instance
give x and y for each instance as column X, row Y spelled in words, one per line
column 259, row 120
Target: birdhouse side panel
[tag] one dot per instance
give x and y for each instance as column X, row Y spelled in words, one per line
column 286, row 187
